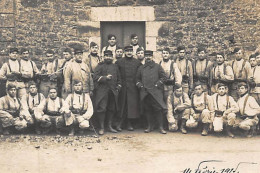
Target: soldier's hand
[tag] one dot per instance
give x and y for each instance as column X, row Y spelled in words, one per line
column 109, row 77
column 139, row 85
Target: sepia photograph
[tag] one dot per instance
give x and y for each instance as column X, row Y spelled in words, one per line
column 129, row 86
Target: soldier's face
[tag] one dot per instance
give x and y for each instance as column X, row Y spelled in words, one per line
column 108, row 58
column 94, row 49
column 53, row 94
column 239, row 55
column 148, row 58
column 79, row 56
column 140, row 55
column 181, row 54
column 134, row 41
column 258, row 59
column 13, row 55
column 220, row 59
column 119, row 53
column 128, row 53
column 66, row 55
column 178, row 92
column 33, row 89
column 198, row 90
column 165, row 54
column 253, row 62
column 78, row 87
column 222, row 90
column 25, row 55
column 242, row 90
column 12, row 92
column 112, row 41
column 202, row 55
column 49, row 56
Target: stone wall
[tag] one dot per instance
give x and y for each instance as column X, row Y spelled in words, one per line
column 215, row 24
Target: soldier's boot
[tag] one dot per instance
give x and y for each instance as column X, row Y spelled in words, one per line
column 205, row 129
column 229, row 133
column 72, row 130
column 183, row 126
column 110, row 120
column 101, row 119
column 129, row 125
column 160, row 122
column 119, row 125
column 149, row 123
column 251, row 132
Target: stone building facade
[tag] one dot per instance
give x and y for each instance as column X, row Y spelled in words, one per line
column 215, row 24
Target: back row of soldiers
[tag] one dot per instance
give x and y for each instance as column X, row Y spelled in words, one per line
column 130, row 87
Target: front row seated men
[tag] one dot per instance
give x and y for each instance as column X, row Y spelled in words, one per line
column 11, row 116
column 150, row 79
column 107, row 82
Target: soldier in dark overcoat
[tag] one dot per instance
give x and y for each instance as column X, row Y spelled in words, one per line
column 129, row 95
column 107, row 83
column 150, row 80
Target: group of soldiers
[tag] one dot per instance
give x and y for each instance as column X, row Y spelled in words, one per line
column 125, row 84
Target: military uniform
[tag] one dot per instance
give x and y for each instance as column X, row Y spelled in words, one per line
column 65, row 93
column 29, row 71
column 174, row 116
column 11, row 115
column 255, row 91
column 185, row 68
column 81, row 109
column 111, row 48
column 242, row 73
column 226, row 76
column 150, row 79
column 225, row 109
column 48, row 77
column 78, row 71
column 11, row 71
column 201, row 71
column 248, row 111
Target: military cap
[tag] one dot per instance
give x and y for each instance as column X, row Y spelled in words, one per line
column 177, row 86
column 128, row 48
column 133, row 36
column 236, row 49
column 108, row 52
column 31, row 83
column 78, row 51
column 14, row 49
column 148, row 52
column 139, row 49
column 67, row 50
column 92, row 44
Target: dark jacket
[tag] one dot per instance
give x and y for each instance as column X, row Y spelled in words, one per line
column 129, row 94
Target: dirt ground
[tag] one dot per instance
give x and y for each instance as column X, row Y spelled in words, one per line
column 129, row 152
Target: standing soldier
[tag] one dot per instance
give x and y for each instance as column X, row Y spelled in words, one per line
column 185, row 68
column 92, row 60
column 255, row 65
column 107, row 84
column 10, row 111
column 242, row 72
column 248, row 110
column 202, row 107
column 54, row 112
column 78, row 70
column 128, row 96
column 11, row 71
column 201, row 69
column 111, row 45
column 119, row 53
column 179, row 109
column 225, row 109
column 150, row 79
column 134, row 43
column 67, row 54
column 33, row 105
column 220, row 73
column 140, row 55
column 48, row 75
column 80, row 108
column 173, row 74
column 29, row 69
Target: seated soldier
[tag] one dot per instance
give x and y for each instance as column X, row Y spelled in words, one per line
column 178, row 109
column 80, row 108
column 10, row 115
column 33, row 105
column 202, row 107
column 225, row 109
column 248, row 110
column 54, row 111
column 107, row 82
